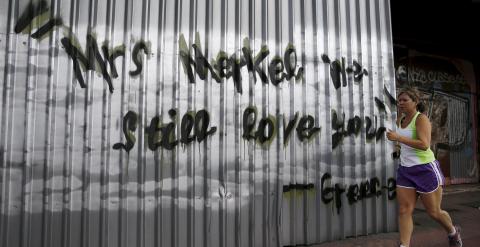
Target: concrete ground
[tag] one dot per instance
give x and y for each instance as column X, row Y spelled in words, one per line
column 463, row 204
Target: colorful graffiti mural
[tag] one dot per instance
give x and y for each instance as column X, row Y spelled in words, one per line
column 449, row 93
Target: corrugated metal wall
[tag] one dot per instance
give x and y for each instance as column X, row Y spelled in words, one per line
column 276, row 137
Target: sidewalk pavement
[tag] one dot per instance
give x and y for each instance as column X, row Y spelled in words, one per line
column 463, row 204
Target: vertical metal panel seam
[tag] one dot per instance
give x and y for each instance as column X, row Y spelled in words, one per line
column 328, row 105
column 292, row 171
column 317, row 149
column 222, row 131
column 369, row 85
column 238, row 163
column 251, row 151
column 391, row 74
column 6, row 130
column 104, row 196
column 26, row 219
column 158, row 155
column 351, row 109
column 360, row 58
column 141, row 163
column 207, row 157
column 190, row 161
column 383, row 147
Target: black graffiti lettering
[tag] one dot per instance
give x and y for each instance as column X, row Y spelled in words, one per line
column 356, row 67
column 186, row 59
column 391, row 99
column 254, row 63
column 306, row 129
column 338, row 73
column 290, row 58
column 379, row 133
column 338, row 124
column 168, row 137
column 47, row 28
column 223, row 65
column 287, row 128
column 129, row 126
column 94, row 57
column 249, row 120
column 275, row 70
column 357, row 72
column 110, row 56
column 154, row 133
column 39, row 10
column 137, row 58
column 335, row 73
column 236, row 65
column 89, row 62
column 202, row 66
column 352, row 194
column 370, row 129
column 327, row 192
column 186, row 127
column 343, row 71
column 337, row 139
column 325, row 58
column 266, row 130
column 365, row 189
column 354, row 125
column 391, row 187
column 202, row 122
column 162, row 135
column 339, row 70
column 370, row 188
column 77, row 57
column 262, row 54
column 339, row 190
column 226, row 67
column 375, row 187
column 168, row 132
column 287, row 188
column 267, row 127
column 32, row 10
column 299, row 74
column 380, row 105
column 247, row 55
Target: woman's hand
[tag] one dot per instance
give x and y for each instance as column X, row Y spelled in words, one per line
column 392, row 135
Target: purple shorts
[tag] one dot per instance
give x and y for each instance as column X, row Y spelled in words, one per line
column 423, row 178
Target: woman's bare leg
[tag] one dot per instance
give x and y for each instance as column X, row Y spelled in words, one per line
column 432, row 202
column 406, row 203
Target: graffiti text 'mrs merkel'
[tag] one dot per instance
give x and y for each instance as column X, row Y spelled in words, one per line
column 225, row 66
